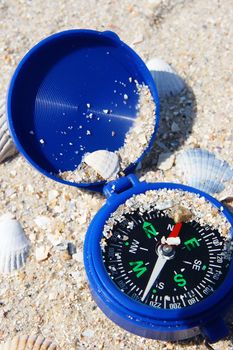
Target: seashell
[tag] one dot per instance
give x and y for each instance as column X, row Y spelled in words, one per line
column 167, row 81
column 32, row 342
column 14, row 245
column 201, row 169
column 7, row 147
column 105, row 163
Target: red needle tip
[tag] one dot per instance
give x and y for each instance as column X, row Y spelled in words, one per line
column 176, row 230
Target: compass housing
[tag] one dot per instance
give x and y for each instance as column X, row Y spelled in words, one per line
column 205, row 317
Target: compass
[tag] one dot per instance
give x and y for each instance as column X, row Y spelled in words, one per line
column 151, row 274
column 162, row 275
column 156, row 277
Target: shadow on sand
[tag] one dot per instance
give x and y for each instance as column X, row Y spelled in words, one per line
column 177, row 116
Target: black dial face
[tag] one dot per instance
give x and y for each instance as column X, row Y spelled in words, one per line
column 166, row 265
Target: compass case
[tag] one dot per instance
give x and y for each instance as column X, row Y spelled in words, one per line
column 206, row 317
column 58, row 81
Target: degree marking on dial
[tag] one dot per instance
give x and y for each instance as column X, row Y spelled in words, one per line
column 132, row 288
column 198, row 292
column 187, row 262
column 182, row 299
column 207, row 279
column 125, row 232
column 218, row 267
column 143, row 249
column 210, row 234
column 166, row 298
column 116, row 278
column 132, row 218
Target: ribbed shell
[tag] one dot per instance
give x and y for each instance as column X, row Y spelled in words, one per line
column 14, row 245
column 105, row 163
column 31, row 342
column 201, row 169
column 167, row 81
column 7, row 147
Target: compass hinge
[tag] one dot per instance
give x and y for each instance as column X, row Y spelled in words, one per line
column 120, row 185
column 215, row 330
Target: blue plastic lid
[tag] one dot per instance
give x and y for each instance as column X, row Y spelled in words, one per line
column 61, row 80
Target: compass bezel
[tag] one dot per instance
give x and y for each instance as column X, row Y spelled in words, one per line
column 132, row 315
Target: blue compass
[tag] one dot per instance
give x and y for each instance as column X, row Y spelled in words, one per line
column 140, row 280
column 157, row 290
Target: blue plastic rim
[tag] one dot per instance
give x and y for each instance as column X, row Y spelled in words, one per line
column 58, row 93
column 132, row 315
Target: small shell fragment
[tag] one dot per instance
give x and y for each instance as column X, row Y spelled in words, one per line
column 32, row 342
column 167, row 81
column 105, row 163
column 42, row 253
column 14, row 245
column 182, row 215
column 165, row 161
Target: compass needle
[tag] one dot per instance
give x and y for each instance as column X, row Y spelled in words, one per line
column 154, row 275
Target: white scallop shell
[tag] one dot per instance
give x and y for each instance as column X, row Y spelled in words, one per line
column 105, row 163
column 14, row 246
column 7, row 147
column 32, row 342
column 202, row 170
column 167, row 81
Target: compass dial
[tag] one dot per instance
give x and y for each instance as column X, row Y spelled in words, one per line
column 163, row 273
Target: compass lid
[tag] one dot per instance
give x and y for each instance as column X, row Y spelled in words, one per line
column 61, row 79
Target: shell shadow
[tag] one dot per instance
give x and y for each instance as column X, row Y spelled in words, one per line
column 197, row 341
column 229, row 321
column 177, row 116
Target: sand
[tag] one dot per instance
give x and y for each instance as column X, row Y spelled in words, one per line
column 52, row 297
